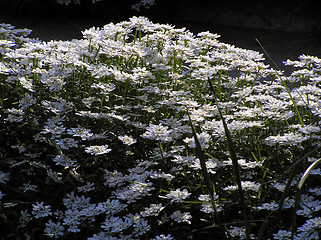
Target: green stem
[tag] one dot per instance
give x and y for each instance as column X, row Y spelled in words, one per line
column 284, row 84
column 234, row 162
column 201, row 156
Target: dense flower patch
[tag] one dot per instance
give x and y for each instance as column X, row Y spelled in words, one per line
column 97, row 137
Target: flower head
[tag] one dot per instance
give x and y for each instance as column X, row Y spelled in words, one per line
column 98, row 150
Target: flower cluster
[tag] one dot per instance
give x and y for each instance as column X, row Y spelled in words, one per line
column 100, row 130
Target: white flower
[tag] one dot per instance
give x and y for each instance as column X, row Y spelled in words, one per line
column 66, row 143
column 64, row 161
column 246, row 185
column 269, row 206
column 158, row 132
column 15, row 115
column 27, row 84
column 127, row 140
column 80, row 132
column 179, row 217
column 152, row 210
column 310, row 229
column 279, row 186
column 26, row 102
column 116, row 224
column 178, row 195
column 4, row 69
column 203, row 139
column 282, row 235
column 54, row 229
column 104, row 87
column 98, row 150
column 288, row 203
column 238, row 232
column 316, row 191
column 140, row 225
column 39, row 210
column 286, row 139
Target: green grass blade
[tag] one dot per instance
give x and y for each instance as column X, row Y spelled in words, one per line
column 201, row 156
column 234, row 162
column 307, row 172
column 298, row 194
column 284, row 84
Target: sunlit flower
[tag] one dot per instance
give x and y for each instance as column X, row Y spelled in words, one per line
column 98, row 150
column 127, row 140
column 158, row 132
column 203, row 139
column 178, row 195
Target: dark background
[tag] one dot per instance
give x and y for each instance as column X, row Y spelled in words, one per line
column 263, row 13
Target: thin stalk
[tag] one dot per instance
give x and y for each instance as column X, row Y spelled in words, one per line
column 297, row 198
column 201, row 156
column 234, row 162
column 295, row 167
column 284, row 84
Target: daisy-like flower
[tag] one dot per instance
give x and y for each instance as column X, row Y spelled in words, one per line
column 4, row 69
column 310, row 229
column 98, row 150
column 246, row 185
column 178, row 195
column 27, row 84
column 116, row 224
column 269, row 206
column 158, row 132
column 286, row 139
column 127, row 140
column 64, row 161
column 282, row 235
column 40, row 210
column 238, row 232
column 54, row 229
column 203, row 139
column 152, row 210
column 179, row 217
column 80, row 132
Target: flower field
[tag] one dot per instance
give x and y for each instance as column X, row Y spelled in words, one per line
column 146, row 131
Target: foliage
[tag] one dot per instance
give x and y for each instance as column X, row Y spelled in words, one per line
column 97, row 137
